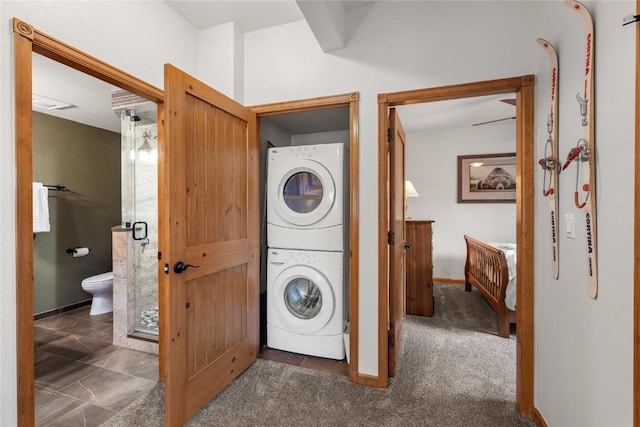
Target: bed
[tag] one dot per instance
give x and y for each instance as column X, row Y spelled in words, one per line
column 491, row 268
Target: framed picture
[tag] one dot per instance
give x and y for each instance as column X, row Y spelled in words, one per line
column 487, row 178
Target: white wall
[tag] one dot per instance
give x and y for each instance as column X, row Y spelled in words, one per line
column 221, row 59
column 432, row 167
column 338, row 136
column 270, row 132
column 584, row 348
column 393, row 46
column 138, row 37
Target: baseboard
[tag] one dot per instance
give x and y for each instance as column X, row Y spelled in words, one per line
column 61, row 310
column 537, row 416
column 448, row 280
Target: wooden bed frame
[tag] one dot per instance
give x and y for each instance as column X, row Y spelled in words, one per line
column 486, row 269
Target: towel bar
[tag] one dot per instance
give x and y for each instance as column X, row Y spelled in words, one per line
column 56, row 187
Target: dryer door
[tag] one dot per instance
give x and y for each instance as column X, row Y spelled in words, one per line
column 303, row 299
column 305, row 193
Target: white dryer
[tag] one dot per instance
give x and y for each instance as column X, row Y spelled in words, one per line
column 305, row 311
column 305, row 197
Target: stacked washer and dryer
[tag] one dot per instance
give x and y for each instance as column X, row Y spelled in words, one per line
column 306, row 310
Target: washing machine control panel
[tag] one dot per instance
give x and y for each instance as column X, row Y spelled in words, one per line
column 333, row 152
column 292, row 257
column 301, row 152
column 305, row 152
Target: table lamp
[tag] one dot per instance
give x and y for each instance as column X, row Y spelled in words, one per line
column 409, row 191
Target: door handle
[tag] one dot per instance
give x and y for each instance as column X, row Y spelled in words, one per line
column 142, row 227
column 181, row 266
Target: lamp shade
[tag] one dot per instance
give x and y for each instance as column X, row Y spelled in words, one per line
column 409, row 189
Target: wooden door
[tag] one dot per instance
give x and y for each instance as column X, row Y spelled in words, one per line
column 209, row 206
column 397, row 297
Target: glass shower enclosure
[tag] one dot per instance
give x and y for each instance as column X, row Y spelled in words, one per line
column 139, row 146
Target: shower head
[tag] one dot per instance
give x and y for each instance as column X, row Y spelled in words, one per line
column 138, row 110
column 133, row 117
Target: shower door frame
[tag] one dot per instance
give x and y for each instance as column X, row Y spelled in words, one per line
column 143, row 265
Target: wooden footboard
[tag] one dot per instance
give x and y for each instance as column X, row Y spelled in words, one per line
column 486, row 269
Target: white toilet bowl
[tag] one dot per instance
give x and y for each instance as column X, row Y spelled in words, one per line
column 101, row 287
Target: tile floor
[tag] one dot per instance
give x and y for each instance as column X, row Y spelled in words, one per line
column 338, row 367
column 80, row 377
column 83, row 380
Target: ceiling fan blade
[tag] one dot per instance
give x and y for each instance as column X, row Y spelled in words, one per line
column 494, row 121
column 511, row 101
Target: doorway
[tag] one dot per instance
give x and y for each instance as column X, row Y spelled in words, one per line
column 523, row 88
column 27, row 41
column 324, row 108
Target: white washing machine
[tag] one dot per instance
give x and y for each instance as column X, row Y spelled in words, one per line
column 305, row 197
column 305, row 297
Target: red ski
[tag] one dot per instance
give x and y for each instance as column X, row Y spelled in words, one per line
column 550, row 165
column 584, row 152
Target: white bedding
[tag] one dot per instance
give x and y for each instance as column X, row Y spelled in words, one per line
column 509, row 250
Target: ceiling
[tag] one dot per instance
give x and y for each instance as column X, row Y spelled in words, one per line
column 249, row 15
column 92, row 97
column 457, row 113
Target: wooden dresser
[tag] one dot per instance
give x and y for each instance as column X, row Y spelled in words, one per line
column 419, row 268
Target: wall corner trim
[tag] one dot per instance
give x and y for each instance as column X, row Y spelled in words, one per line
column 528, row 80
column 22, row 28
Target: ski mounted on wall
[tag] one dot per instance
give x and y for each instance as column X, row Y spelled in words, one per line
column 583, row 154
column 550, row 165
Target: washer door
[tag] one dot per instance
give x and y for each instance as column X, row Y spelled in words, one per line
column 305, row 194
column 303, row 299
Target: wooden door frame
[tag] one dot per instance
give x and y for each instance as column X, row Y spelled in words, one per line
column 27, row 41
column 523, row 87
column 636, row 243
column 350, row 100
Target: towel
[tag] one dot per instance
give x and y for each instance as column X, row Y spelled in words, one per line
column 40, row 208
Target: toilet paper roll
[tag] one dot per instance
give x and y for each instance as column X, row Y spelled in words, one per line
column 77, row 252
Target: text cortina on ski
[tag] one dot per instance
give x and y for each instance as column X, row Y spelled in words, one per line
column 583, row 154
column 549, row 164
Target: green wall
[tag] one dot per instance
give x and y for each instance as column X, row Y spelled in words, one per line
column 86, row 160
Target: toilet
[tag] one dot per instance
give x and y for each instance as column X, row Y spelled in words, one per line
column 101, row 287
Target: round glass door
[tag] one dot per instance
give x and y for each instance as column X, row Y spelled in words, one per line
column 303, row 192
column 302, row 298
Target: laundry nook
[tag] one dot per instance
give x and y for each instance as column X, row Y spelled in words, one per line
column 306, row 296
